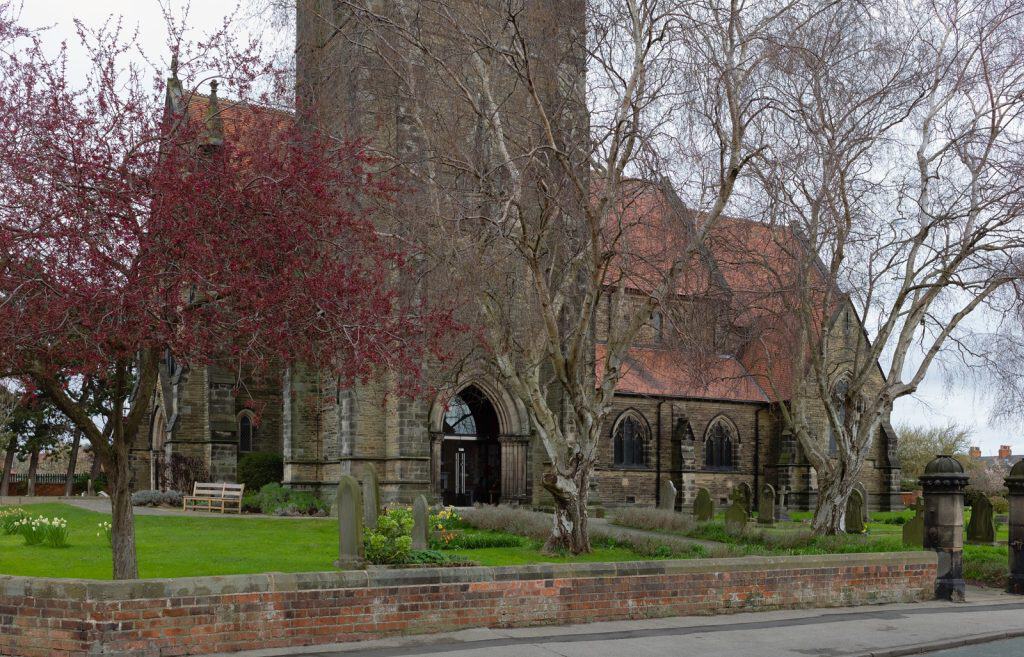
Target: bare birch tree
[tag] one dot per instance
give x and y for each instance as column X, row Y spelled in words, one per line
column 899, row 135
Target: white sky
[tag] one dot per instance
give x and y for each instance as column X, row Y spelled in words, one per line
column 937, row 402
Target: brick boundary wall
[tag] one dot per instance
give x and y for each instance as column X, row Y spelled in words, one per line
column 189, row 616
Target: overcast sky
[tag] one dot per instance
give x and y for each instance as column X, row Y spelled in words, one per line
column 938, row 401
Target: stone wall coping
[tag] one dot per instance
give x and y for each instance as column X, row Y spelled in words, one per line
column 101, row 590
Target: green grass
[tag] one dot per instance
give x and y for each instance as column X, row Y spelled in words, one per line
column 528, row 555
column 780, row 541
column 176, row 546
column 986, row 564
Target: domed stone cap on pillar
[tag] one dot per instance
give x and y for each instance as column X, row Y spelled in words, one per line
column 1015, row 480
column 944, row 474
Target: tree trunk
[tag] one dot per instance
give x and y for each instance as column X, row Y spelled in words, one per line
column 833, row 493
column 5, row 479
column 69, row 484
column 94, row 471
column 570, row 529
column 33, row 465
column 123, row 522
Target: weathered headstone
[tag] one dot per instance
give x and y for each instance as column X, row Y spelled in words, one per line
column 864, row 511
column 981, row 530
column 913, row 529
column 747, row 496
column 371, row 496
column 420, row 523
column 853, row 519
column 736, row 515
column 766, row 506
column 349, row 503
column 782, row 505
column 667, row 499
column 703, row 507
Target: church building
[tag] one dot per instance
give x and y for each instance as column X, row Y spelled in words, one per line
column 702, row 421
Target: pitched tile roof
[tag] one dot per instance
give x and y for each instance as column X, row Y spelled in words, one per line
column 676, row 373
column 757, row 270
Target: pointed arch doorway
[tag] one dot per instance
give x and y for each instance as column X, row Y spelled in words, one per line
column 470, row 468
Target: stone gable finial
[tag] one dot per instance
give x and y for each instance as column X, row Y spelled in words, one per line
column 214, row 121
column 174, row 65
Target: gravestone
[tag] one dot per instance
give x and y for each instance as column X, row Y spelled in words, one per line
column 736, row 515
column 981, row 530
column 913, row 530
column 864, row 511
column 349, row 503
column 420, row 523
column 747, row 496
column 766, row 506
column 371, row 496
column 703, row 507
column 854, row 517
column 667, row 499
column 782, row 505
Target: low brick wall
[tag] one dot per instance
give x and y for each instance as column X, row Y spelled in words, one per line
column 188, row 616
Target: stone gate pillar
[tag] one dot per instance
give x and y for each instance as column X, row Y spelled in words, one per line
column 1015, row 482
column 944, row 482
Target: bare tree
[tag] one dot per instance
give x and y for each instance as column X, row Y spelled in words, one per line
column 898, row 137
column 533, row 133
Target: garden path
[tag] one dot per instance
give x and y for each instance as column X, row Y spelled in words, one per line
column 102, row 505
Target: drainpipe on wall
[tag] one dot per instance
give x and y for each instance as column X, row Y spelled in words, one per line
column 757, row 456
column 657, row 459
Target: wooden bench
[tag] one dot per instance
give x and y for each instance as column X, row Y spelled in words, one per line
column 214, row 497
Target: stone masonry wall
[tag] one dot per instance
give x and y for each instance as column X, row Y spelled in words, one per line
column 619, row 486
column 151, row 618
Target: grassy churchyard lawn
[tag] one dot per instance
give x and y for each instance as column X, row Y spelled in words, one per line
column 182, row 546
column 187, row 546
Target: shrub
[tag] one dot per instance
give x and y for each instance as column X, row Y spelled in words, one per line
column 390, row 542
column 257, row 469
column 156, row 498
column 9, row 519
column 652, row 519
column 537, row 526
column 146, row 498
column 1000, row 504
column 435, row 558
column 510, row 519
column 275, row 499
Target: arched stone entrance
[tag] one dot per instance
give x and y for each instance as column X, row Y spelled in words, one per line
column 479, row 447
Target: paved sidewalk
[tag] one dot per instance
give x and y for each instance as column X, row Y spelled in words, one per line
column 875, row 631
column 102, row 505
